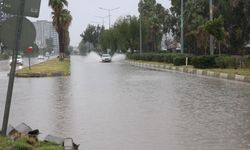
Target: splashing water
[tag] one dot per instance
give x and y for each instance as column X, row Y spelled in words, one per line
column 118, row 57
column 93, row 57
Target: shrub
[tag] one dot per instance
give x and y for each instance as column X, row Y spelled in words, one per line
column 179, row 60
column 203, row 62
column 173, row 58
column 247, row 61
column 227, row 61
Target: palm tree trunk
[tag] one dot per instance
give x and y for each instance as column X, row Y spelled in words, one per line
column 60, row 38
column 61, row 43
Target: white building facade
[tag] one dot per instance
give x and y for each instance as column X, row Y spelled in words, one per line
column 45, row 30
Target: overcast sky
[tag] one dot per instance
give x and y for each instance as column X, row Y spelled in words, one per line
column 84, row 12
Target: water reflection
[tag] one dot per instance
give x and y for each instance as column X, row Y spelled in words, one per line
column 61, row 106
column 110, row 106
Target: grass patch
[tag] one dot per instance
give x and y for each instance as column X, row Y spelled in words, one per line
column 24, row 144
column 245, row 71
column 50, row 148
column 153, row 62
column 48, row 68
column 5, row 143
column 21, row 144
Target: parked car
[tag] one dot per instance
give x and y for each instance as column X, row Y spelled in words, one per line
column 106, row 58
column 47, row 54
column 19, row 60
column 40, row 57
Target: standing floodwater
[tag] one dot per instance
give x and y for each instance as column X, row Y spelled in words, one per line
column 115, row 106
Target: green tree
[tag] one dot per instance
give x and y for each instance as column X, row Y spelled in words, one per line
column 92, row 35
column 154, row 17
column 110, row 40
column 128, row 33
column 216, row 28
column 196, row 14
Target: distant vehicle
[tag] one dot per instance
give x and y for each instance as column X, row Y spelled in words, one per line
column 19, row 60
column 40, row 57
column 106, row 58
column 47, row 54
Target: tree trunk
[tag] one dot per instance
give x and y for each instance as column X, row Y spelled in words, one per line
column 61, row 40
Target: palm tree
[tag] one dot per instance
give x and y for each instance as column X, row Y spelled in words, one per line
column 65, row 19
column 58, row 18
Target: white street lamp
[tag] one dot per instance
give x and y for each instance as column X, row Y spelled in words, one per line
column 211, row 46
column 182, row 30
column 109, row 10
column 141, row 29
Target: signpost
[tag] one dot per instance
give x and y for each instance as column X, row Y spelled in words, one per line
column 8, row 33
column 20, row 8
column 31, row 8
column 29, row 50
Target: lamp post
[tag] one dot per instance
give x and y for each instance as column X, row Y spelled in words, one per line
column 141, row 30
column 182, row 30
column 109, row 10
column 211, row 44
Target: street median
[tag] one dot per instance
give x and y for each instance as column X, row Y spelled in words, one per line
column 50, row 68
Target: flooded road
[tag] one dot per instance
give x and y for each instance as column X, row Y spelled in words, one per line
column 115, row 106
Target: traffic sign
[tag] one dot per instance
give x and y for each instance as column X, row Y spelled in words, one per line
column 31, row 7
column 8, row 33
column 29, row 49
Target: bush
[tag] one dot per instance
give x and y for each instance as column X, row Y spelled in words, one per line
column 246, row 60
column 173, row 58
column 203, row 62
column 227, row 61
column 179, row 60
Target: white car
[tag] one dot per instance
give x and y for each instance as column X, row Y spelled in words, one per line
column 106, row 58
column 47, row 54
column 19, row 60
column 40, row 57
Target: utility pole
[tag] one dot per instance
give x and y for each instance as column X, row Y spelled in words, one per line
column 141, row 29
column 182, row 30
column 109, row 10
column 211, row 44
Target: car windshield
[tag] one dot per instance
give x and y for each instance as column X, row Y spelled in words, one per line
column 105, row 55
column 19, row 57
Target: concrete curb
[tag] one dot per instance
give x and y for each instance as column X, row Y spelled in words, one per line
column 165, row 67
column 41, row 75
